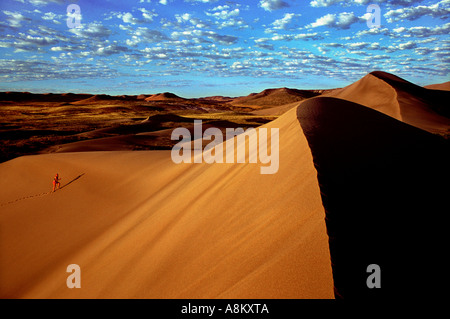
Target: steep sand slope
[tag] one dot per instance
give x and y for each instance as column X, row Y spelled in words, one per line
column 400, row 99
column 383, row 186
column 141, row 226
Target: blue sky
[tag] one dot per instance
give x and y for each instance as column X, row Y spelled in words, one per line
column 198, row 48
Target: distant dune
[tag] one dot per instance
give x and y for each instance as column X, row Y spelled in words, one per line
column 217, row 98
column 273, row 97
column 79, row 99
column 164, row 97
column 362, row 180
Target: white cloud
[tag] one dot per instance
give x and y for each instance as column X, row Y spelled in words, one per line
column 183, row 17
column 325, row 20
column 323, row 3
column 218, row 38
column 407, row 45
column 43, row 2
column 235, row 23
column 187, row 17
column 199, row 36
column 92, row 30
column 345, row 19
column 358, row 45
column 26, row 70
column 372, row 31
column 437, row 10
column 239, row 65
column 128, row 18
column 327, row 3
column 148, row 15
column 224, row 14
column 341, row 21
column 401, row 46
column 261, row 40
column 204, row 1
column 15, row 19
column 281, row 24
column 49, row 16
column 110, row 49
column 142, row 34
column 421, row 31
column 271, row 5
column 308, row 36
column 28, row 43
column 66, row 48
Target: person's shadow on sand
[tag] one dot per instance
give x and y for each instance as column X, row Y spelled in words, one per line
column 73, row 180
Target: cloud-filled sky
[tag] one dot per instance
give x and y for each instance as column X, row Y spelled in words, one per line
column 198, row 48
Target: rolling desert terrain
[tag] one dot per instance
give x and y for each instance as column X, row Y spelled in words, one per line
column 362, row 180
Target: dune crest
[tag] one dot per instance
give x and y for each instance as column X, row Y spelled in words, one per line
column 164, row 97
column 400, row 99
column 372, row 92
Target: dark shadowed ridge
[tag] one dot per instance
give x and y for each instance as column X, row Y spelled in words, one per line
column 383, row 187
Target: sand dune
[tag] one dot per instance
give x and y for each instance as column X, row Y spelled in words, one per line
column 440, row 86
column 400, row 99
column 217, row 98
column 140, row 226
column 357, row 184
column 273, row 98
column 164, row 97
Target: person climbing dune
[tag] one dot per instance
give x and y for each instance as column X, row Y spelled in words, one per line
column 56, row 183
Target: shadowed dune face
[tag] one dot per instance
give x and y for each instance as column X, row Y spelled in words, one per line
column 382, row 185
